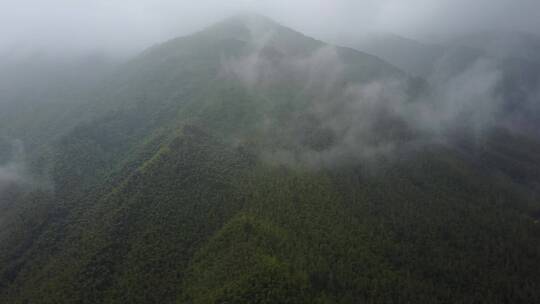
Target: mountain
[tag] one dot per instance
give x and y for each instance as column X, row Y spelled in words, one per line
column 503, row 44
column 250, row 163
column 510, row 57
column 412, row 56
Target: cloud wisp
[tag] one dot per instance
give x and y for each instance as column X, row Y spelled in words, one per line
column 357, row 120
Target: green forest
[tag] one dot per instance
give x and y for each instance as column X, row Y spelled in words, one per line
column 179, row 180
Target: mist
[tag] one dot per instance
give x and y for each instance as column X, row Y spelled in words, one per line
column 121, row 28
column 10, row 174
column 350, row 120
column 13, row 170
column 269, row 151
column 353, row 115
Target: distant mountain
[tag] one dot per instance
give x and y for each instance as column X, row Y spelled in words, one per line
column 511, row 56
column 409, row 55
column 250, row 163
column 503, row 44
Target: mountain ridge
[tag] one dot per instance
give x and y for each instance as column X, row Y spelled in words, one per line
column 285, row 170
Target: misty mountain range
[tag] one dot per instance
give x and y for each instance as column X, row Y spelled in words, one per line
column 250, row 163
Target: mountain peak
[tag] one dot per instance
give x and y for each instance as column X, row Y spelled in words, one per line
column 259, row 30
column 244, row 24
column 251, row 18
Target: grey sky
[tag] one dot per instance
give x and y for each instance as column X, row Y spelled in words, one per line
column 127, row 26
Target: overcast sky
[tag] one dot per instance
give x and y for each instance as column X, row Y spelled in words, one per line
column 128, row 26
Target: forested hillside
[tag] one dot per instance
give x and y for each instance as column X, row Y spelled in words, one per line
column 248, row 163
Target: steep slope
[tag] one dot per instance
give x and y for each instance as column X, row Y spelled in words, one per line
column 249, row 163
column 191, row 80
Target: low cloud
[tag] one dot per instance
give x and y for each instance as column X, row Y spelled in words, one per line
column 11, row 174
column 346, row 120
column 15, row 172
